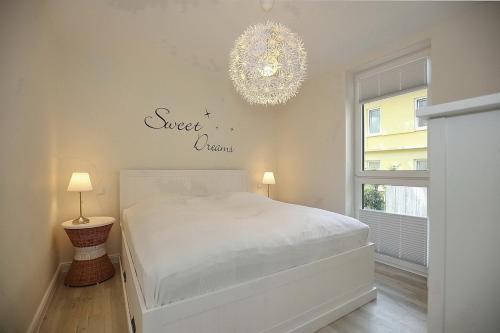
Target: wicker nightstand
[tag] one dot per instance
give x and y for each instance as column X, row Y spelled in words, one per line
column 91, row 263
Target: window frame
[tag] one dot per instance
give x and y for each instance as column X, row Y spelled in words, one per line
column 415, row 108
column 358, row 118
column 359, row 176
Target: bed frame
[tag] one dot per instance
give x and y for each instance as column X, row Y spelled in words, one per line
column 301, row 299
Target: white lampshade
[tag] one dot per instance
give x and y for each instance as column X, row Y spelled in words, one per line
column 80, row 182
column 268, row 178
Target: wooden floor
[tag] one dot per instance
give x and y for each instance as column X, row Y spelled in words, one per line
column 93, row 309
column 401, row 306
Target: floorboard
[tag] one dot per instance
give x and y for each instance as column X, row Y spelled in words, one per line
column 401, row 306
column 98, row 308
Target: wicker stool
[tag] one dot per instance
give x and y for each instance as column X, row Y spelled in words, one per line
column 91, row 263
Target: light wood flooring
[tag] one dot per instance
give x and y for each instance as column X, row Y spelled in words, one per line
column 93, row 309
column 401, row 306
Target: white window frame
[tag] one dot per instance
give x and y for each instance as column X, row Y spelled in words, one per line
column 358, row 124
column 415, row 108
column 379, row 121
column 413, row 178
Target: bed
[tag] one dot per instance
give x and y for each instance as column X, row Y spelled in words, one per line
column 201, row 254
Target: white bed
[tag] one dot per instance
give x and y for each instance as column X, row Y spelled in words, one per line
column 184, row 246
column 198, row 256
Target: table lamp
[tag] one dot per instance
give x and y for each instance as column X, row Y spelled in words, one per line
column 80, row 182
column 268, row 179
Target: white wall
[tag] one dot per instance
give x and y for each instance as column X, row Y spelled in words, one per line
column 311, row 142
column 70, row 105
column 311, row 145
column 465, row 55
column 103, row 96
column 28, row 256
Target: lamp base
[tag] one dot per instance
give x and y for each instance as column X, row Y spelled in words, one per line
column 81, row 220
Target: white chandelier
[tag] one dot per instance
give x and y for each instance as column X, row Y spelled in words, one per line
column 268, row 64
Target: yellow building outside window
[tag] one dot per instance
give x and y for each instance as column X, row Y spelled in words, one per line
column 394, row 139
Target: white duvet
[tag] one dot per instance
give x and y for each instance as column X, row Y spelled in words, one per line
column 186, row 246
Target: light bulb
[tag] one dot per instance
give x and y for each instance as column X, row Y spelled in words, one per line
column 268, row 70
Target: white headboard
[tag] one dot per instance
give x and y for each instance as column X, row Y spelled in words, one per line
column 136, row 185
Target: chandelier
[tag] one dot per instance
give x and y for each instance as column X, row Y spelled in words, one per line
column 267, row 64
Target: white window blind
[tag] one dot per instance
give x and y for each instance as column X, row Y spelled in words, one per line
column 408, row 76
column 399, row 236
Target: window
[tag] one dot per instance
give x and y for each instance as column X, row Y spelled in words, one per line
column 390, row 175
column 420, row 103
column 404, row 200
column 374, row 121
column 399, row 145
column 372, row 165
column 421, row 164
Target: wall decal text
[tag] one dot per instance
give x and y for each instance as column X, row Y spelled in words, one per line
column 202, row 144
column 162, row 120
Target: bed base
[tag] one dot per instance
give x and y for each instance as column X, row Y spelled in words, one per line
column 301, row 299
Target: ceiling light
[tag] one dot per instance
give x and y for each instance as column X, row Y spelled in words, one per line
column 268, row 64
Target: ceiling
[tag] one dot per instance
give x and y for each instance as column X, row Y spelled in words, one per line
column 202, row 32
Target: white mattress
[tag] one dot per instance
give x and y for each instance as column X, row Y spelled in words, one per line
column 186, row 246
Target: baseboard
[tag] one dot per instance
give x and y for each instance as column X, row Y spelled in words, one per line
column 44, row 304
column 401, row 264
column 49, row 293
column 115, row 259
